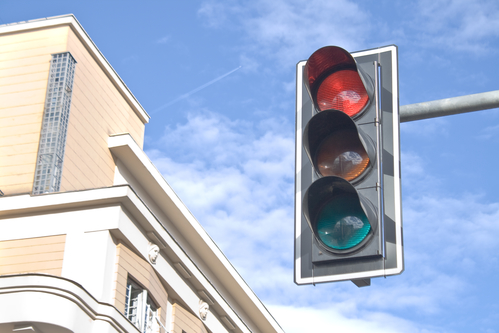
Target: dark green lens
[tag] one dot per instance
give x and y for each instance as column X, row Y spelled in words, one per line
column 342, row 224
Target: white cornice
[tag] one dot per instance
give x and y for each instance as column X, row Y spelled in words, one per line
column 128, row 152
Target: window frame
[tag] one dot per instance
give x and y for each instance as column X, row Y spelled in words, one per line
column 137, row 298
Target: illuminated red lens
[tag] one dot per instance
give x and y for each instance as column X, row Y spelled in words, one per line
column 344, row 91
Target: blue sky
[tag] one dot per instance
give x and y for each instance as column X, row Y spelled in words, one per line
column 228, row 149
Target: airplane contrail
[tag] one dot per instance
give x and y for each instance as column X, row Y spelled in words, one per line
column 195, row 90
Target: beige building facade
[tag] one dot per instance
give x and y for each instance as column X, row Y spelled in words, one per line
column 93, row 238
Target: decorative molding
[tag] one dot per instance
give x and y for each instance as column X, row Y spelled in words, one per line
column 204, row 308
column 153, row 252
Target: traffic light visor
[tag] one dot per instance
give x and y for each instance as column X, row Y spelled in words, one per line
column 342, row 224
column 339, row 217
column 342, row 154
column 334, row 81
column 336, row 147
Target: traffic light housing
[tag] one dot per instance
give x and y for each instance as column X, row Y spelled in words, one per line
column 348, row 217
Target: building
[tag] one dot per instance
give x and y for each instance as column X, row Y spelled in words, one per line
column 93, row 239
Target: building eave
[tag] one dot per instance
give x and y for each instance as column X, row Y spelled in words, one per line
column 128, row 152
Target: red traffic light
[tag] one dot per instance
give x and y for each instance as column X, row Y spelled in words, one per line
column 334, row 81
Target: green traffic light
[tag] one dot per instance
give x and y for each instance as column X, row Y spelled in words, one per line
column 342, row 224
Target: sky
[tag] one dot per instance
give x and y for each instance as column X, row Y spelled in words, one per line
column 218, row 79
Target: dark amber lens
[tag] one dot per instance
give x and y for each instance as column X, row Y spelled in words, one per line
column 344, row 91
column 343, row 155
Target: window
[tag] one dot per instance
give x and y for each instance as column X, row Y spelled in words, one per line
column 140, row 308
column 52, row 144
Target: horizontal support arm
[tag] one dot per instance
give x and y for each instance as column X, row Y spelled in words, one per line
column 450, row 106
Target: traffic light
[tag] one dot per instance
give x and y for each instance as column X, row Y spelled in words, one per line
column 348, row 216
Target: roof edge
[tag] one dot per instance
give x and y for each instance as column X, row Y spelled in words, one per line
column 70, row 19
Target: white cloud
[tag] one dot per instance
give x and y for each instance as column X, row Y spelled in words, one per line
column 130, row 59
column 290, row 30
column 214, row 13
column 163, row 40
column 416, row 176
column 456, row 228
column 237, row 178
column 458, row 24
column 249, row 64
column 489, row 133
column 426, row 128
column 341, row 318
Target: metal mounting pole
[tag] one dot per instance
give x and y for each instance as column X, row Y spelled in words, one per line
column 449, row 106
